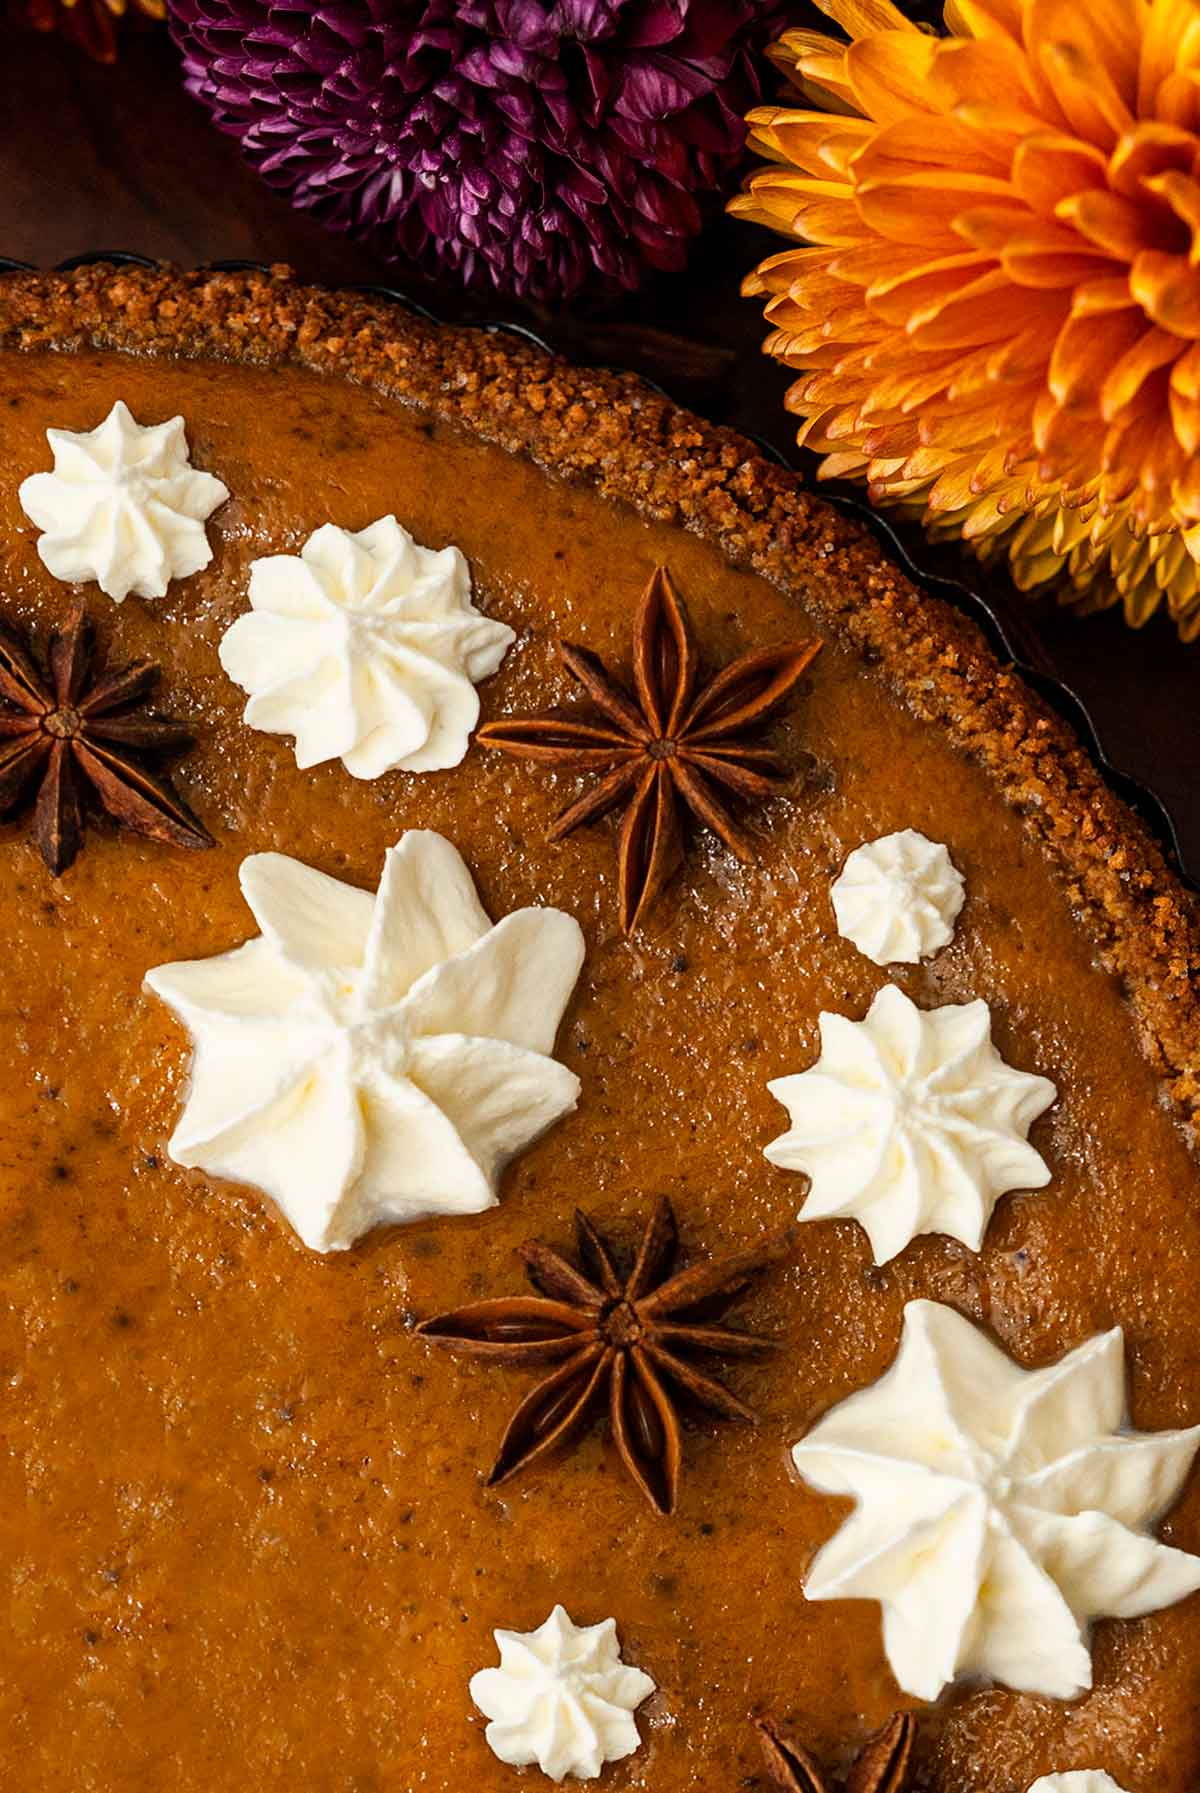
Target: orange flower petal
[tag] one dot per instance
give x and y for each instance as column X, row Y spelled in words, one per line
column 1186, row 496
column 834, row 334
column 825, row 388
column 987, row 513
column 973, row 430
column 903, row 148
column 1170, row 40
column 1185, row 375
column 889, row 74
column 977, row 373
column 1182, row 194
column 1179, row 100
column 1085, row 351
column 984, row 18
column 873, row 261
column 1022, row 358
column 897, row 297
column 787, row 345
column 996, row 118
column 859, row 17
column 1147, row 150
column 994, row 467
column 1090, row 100
column 1053, row 430
column 909, row 388
column 1049, row 255
column 811, row 433
column 983, row 313
column 810, row 140
column 1141, row 441
column 1125, row 379
column 1095, row 297
column 988, row 412
column 816, row 65
column 1185, row 421
column 887, row 485
column 892, row 439
column 1113, row 222
column 789, row 318
column 841, row 466
column 991, row 227
column 1168, row 289
column 923, row 207
column 1032, row 570
column 780, row 272
column 1104, row 31
column 1068, row 529
column 953, row 489
column 1050, row 167
column 1143, row 448
column 967, row 72
column 820, row 211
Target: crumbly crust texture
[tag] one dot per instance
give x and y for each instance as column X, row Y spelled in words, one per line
column 636, row 447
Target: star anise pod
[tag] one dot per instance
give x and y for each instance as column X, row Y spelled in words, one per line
column 673, row 744
column 628, row 1340
column 883, row 1766
column 72, row 730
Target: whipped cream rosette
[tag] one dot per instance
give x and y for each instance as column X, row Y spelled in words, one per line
column 562, row 1698
column 123, row 506
column 367, row 648
column 911, row 1122
column 897, row 898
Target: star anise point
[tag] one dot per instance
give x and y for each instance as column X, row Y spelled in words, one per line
column 789, row 1764
column 672, row 746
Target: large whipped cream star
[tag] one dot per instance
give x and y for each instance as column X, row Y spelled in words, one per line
column 373, row 1058
column 999, row 1510
column 367, row 648
column 911, row 1122
column 562, row 1698
column 123, row 506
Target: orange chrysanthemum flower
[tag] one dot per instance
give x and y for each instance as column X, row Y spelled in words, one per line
column 996, row 312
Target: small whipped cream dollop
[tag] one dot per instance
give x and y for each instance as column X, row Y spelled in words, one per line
column 1080, row 1780
column 124, row 506
column 998, row 1510
column 372, row 1058
column 911, row 1122
column 562, row 1698
column 367, row 648
column 898, row 897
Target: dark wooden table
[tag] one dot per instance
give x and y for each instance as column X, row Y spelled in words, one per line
column 121, row 158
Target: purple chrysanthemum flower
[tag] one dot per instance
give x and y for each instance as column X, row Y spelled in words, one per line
column 534, row 145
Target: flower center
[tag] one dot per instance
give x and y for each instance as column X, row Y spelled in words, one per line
column 621, row 1325
column 662, row 750
column 63, row 723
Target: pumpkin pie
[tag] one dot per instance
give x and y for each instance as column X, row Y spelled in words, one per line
column 586, row 1188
